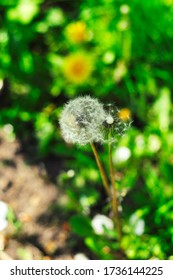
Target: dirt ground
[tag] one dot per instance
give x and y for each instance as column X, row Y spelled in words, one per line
column 27, row 189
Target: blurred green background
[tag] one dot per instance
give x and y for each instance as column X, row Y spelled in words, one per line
column 120, row 52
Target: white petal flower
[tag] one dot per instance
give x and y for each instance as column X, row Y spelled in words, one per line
column 100, row 222
column 81, row 121
column 3, row 209
column 139, row 227
column 3, row 214
column 3, row 224
column 124, row 9
column 122, row 154
column 80, row 256
column 138, row 224
column 70, row 173
column 154, row 143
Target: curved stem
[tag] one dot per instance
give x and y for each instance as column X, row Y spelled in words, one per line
column 102, row 172
column 114, row 194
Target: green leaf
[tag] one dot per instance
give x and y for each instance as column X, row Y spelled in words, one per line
column 99, row 246
column 81, row 225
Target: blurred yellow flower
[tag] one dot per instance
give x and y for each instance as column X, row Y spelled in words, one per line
column 124, row 114
column 76, row 32
column 77, row 67
column 168, row 2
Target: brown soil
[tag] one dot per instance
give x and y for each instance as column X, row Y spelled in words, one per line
column 44, row 233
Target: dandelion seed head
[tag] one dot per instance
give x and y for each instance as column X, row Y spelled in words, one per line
column 81, row 121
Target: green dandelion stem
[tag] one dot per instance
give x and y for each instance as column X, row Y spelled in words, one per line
column 116, row 218
column 101, row 169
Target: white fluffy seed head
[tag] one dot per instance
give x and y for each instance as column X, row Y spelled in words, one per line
column 81, row 121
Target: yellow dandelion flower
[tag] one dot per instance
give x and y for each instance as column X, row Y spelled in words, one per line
column 76, row 32
column 77, row 67
column 124, row 114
